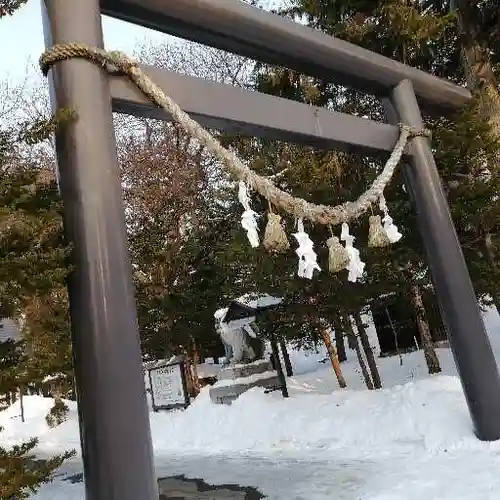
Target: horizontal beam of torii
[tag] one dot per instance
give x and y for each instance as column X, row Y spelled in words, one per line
column 242, row 29
column 232, row 109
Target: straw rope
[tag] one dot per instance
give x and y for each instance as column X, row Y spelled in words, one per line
column 298, row 207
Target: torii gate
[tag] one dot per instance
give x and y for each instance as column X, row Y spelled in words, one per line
column 115, row 435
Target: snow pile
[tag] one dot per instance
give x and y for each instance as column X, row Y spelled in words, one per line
column 409, row 441
column 430, row 415
column 250, row 379
column 61, row 438
column 205, row 370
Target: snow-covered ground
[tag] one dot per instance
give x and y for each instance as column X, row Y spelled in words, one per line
column 409, row 441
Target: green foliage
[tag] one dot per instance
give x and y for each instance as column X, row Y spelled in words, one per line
column 174, row 222
column 33, row 272
column 22, row 474
column 32, row 277
column 8, row 7
column 57, row 414
column 32, row 248
column 464, row 146
column 42, row 129
column 11, row 354
column 33, row 261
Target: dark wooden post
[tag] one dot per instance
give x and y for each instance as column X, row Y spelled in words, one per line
column 367, row 348
column 286, row 359
column 469, row 341
column 114, row 420
column 278, row 367
column 339, row 338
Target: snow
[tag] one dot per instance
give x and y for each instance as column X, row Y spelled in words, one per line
column 54, row 377
column 256, row 301
column 220, row 313
column 9, row 330
column 257, row 362
column 409, row 441
column 250, row 379
column 206, row 370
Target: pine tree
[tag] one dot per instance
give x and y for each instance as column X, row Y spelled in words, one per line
column 32, row 277
column 33, row 271
column 33, row 254
column 22, row 474
column 8, row 7
column 173, row 218
column 464, row 145
column 477, row 41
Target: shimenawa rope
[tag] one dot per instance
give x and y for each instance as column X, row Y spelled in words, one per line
column 298, row 207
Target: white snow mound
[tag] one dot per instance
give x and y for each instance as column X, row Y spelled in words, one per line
column 429, row 414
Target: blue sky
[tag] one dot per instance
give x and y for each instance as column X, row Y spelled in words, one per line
column 21, row 39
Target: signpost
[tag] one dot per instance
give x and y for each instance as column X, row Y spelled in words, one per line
column 168, row 386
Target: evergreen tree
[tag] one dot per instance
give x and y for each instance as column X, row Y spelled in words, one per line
column 21, row 473
column 464, row 148
column 173, row 214
column 178, row 214
column 477, row 47
column 32, row 284
column 33, row 271
column 33, row 255
column 467, row 147
column 8, row 7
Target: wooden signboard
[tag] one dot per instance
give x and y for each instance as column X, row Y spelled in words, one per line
column 168, row 387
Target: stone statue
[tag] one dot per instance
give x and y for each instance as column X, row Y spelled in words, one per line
column 240, row 339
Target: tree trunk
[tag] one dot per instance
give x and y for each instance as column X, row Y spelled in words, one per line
column 425, row 332
column 196, row 380
column 277, row 366
column 395, row 333
column 370, row 358
column 480, row 77
column 286, row 359
column 332, row 353
column 481, row 81
column 476, row 62
column 21, row 403
column 339, row 339
column 354, row 341
column 490, row 255
column 194, row 368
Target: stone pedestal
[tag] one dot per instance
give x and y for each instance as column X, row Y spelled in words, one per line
column 237, row 379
